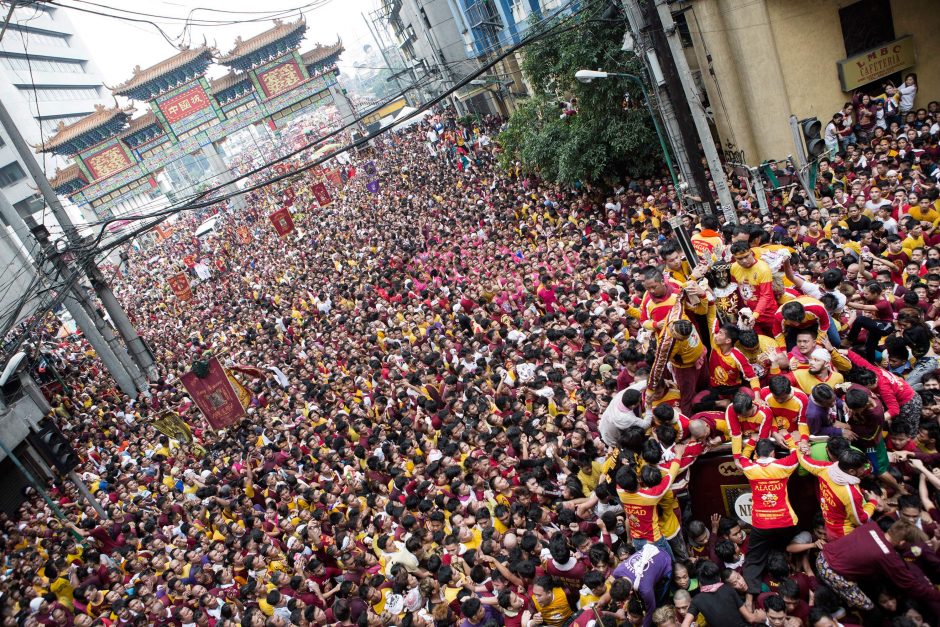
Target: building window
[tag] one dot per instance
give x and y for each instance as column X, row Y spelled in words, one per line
column 865, row 25
column 34, row 64
column 11, row 174
column 682, row 27
column 62, row 94
column 41, row 38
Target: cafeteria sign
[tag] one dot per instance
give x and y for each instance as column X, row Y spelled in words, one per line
column 871, row 65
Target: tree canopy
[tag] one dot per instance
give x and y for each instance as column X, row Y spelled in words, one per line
column 609, row 136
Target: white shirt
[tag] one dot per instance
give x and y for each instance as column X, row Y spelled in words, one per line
column 616, row 417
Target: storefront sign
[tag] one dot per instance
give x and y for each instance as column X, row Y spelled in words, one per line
column 877, row 63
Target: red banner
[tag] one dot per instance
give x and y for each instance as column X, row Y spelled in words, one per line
column 335, row 178
column 219, row 264
column 180, row 286
column 319, row 192
column 215, row 395
column 189, row 261
column 282, row 221
column 185, row 104
column 244, row 235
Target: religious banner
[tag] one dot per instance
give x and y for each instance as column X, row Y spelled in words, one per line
column 211, row 388
column 164, row 233
column 189, row 261
column 319, row 192
column 373, row 187
column 290, row 195
column 180, row 286
column 282, row 221
column 244, row 235
column 184, row 104
column 370, row 169
column 172, row 425
column 106, row 162
column 219, row 264
column 335, row 178
column 280, row 79
column 244, row 396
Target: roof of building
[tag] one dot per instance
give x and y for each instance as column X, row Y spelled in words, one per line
column 70, row 173
column 229, row 80
column 141, row 122
column 181, row 59
column 101, row 116
column 247, row 46
column 321, row 52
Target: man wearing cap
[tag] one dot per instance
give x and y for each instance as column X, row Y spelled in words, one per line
column 818, row 370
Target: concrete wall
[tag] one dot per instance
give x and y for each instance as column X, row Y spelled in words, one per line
column 774, row 58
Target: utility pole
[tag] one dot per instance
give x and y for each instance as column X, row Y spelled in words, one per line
column 141, row 354
column 74, row 303
column 676, row 59
column 802, row 168
column 388, row 64
column 649, row 46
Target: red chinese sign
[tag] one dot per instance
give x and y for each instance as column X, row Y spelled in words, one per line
column 319, row 192
column 282, row 221
column 280, row 79
column 106, row 162
column 185, row 104
column 215, row 395
column 180, row 286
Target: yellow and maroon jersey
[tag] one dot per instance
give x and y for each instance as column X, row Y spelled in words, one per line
column 843, row 506
column 641, row 508
column 789, row 415
column 741, row 426
column 814, row 314
column 771, row 507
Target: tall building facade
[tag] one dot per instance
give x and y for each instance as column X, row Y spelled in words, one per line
column 47, row 78
column 443, row 41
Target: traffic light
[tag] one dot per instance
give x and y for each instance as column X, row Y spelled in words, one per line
column 815, row 145
column 56, row 446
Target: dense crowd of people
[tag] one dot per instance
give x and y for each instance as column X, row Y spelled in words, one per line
column 482, row 396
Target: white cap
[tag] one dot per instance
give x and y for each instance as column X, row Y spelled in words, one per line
column 821, row 354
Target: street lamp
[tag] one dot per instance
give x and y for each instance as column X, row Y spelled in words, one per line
column 587, row 76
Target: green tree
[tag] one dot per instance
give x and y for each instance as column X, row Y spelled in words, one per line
column 610, row 136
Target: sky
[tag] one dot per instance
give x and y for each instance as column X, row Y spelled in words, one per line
column 116, row 46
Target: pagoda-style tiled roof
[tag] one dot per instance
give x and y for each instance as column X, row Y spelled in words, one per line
column 282, row 37
column 186, row 64
column 229, row 80
column 71, row 177
column 97, row 126
column 142, row 129
column 322, row 53
column 231, row 87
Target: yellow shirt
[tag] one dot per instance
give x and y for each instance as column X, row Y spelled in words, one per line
column 912, row 243
column 557, row 611
column 748, row 280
